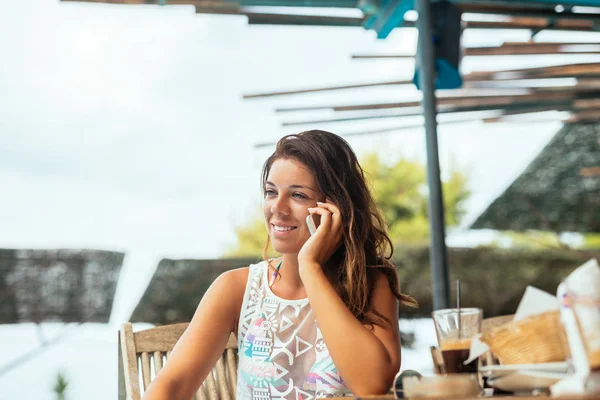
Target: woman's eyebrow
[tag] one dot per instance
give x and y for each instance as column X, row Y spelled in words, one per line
column 292, row 186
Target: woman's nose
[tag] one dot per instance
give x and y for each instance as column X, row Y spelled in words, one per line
column 280, row 207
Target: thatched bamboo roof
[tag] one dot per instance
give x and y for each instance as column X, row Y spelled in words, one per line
column 57, row 285
column 177, row 288
column 559, row 190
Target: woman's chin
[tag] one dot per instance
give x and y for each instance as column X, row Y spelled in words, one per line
column 283, row 251
column 284, row 248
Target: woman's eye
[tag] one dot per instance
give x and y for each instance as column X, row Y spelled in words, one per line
column 269, row 192
column 300, row 196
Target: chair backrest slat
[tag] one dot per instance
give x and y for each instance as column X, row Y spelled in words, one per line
column 224, row 390
column 211, row 387
column 231, row 369
column 201, row 394
column 157, row 343
column 129, row 357
column 145, row 361
column 158, row 361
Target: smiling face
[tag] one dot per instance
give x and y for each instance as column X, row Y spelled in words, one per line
column 288, row 193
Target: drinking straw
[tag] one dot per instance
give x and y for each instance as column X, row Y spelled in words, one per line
column 458, row 305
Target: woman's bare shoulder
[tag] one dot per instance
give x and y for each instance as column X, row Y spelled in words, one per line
column 234, row 287
column 232, row 284
column 235, row 278
column 239, row 276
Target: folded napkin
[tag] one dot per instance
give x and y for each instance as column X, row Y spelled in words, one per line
column 580, row 315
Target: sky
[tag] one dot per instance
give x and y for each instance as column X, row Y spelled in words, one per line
column 123, row 127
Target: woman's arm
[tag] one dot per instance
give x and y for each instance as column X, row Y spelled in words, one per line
column 367, row 360
column 204, row 341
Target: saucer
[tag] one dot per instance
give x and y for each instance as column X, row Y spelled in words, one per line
column 526, row 381
column 497, row 371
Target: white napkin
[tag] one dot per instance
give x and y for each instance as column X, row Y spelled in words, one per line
column 535, row 301
column 585, row 282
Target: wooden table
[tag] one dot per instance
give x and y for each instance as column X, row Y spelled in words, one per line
column 539, row 397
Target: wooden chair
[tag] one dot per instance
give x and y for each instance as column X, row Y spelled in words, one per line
column 149, row 349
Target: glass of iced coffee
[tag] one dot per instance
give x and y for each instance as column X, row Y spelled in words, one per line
column 455, row 328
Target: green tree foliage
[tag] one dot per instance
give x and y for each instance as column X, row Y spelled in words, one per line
column 400, row 190
column 60, row 386
column 540, row 240
column 250, row 239
column 591, row 241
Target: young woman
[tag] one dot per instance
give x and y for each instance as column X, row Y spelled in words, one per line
column 322, row 319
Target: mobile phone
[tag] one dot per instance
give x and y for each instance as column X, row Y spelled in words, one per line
column 312, row 223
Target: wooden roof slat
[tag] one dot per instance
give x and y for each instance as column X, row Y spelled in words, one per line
column 566, row 70
column 538, row 48
column 576, row 25
column 586, row 103
column 557, row 71
column 487, row 52
column 554, row 71
column 441, row 94
column 507, row 49
column 465, row 101
column 448, row 97
column 312, row 90
column 556, row 105
column 587, row 115
column 582, row 85
column 533, row 110
column 411, row 125
column 542, row 44
column 588, row 82
column 259, row 18
column 419, row 124
column 295, row 19
column 511, row 50
column 533, row 24
column 518, row 10
column 382, row 56
column 406, row 112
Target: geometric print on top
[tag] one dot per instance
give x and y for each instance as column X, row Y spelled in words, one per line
column 282, row 354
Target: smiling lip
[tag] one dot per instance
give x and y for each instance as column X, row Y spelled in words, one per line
column 288, row 229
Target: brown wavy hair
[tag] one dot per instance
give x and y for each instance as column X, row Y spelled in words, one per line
column 366, row 248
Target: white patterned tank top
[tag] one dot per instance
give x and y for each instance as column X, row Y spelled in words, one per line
column 282, row 354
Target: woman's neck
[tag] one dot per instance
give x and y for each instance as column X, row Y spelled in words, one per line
column 289, row 271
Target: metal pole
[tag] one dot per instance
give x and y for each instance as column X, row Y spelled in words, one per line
column 437, row 250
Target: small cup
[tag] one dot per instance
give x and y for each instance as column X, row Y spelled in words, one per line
column 399, row 384
column 455, row 329
column 447, row 386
